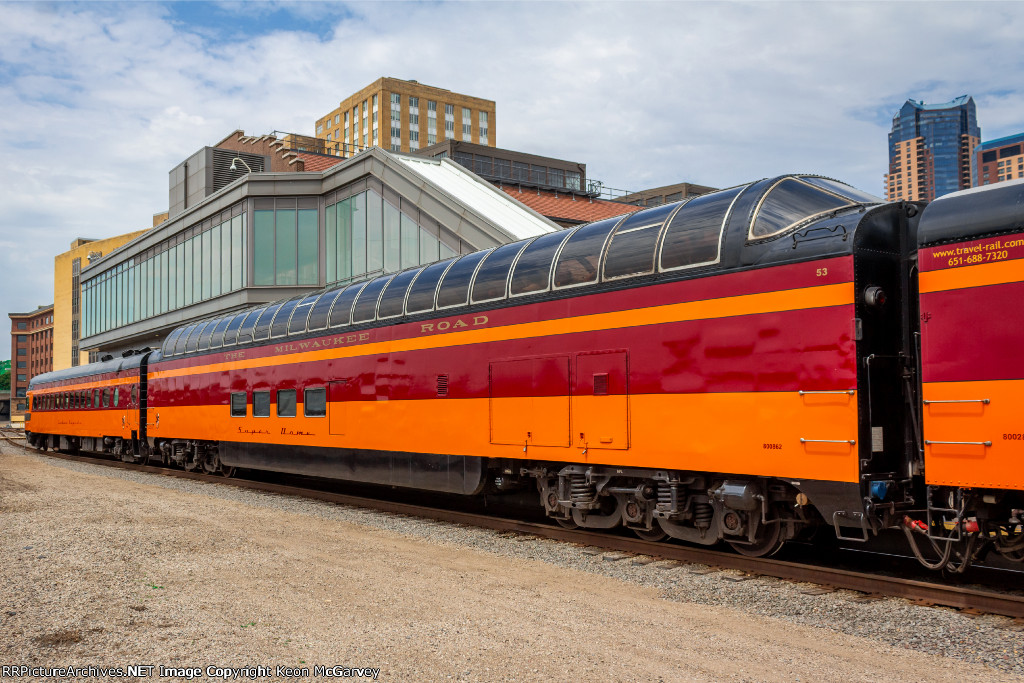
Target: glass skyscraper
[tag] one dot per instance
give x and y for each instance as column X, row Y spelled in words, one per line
column 930, row 149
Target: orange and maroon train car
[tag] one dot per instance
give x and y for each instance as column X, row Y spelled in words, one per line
column 96, row 407
column 739, row 366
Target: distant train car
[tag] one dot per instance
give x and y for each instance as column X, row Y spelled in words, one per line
column 95, row 407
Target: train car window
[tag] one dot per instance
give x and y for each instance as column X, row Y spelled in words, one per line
column 192, row 343
column 297, row 323
column 789, row 202
column 533, row 269
column 238, row 403
column 95, row 398
column 454, row 287
column 633, row 245
column 321, row 309
column 845, row 190
column 694, row 235
column 286, row 403
column 231, row 333
column 207, row 335
column 341, row 311
column 106, row 397
column 117, row 395
column 314, row 403
column 245, row 330
column 491, row 281
column 279, row 327
column 581, row 254
column 135, row 394
column 261, row 404
column 392, row 301
column 366, row 305
column 179, row 346
column 217, row 340
column 422, row 291
column 167, row 349
column 262, row 330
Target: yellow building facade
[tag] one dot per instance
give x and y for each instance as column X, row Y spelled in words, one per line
column 67, row 268
column 405, row 116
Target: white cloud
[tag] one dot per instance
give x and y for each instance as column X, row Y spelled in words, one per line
column 101, row 100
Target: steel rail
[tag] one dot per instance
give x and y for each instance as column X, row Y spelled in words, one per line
column 923, row 592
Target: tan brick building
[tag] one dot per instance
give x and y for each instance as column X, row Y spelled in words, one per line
column 31, row 354
column 405, row 116
column 67, row 291
column 999, row 160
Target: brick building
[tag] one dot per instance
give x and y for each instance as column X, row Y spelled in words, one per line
column 405, row 116
column 31, row 354
column 999, row 160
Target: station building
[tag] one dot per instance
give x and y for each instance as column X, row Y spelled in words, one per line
column 236, row 239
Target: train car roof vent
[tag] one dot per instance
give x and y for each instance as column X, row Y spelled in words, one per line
column 104, row 358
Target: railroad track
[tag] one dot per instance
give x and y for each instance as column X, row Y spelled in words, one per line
column 971, row 600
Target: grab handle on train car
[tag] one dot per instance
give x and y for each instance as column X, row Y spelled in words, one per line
column 851, row 392
column 986, row 401
column 852, row 442
column 959, row 443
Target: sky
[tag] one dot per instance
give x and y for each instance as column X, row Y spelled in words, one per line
column 98, row 101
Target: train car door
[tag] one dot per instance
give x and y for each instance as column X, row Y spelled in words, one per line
column 131, row 410
column 600, row 400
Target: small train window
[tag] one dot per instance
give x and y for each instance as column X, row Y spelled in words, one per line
column 95, row 398
column 366, row 305
column 117, row 394
column 135, row 394
column 694, row 235
column 341, row 312
column 454, row 287
column 297, row 324
column 392, row 301
column 179, row 346
column 421, row 294
column 262, row 330
column 207, row 335
column 581, row 254
column 261, row 404
column 279, row 327
column 192, row 344
column 533, row 269
column 491, row 281
column 245, row 331
column 632, row 248
column 231, row 333
column 286, row 403
column 106, row 397
column 217, row 340
column 167, row 349
column 238, row 403
column 314, row 403
column 790, row 202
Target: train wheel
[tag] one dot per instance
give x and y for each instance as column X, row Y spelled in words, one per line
column 656, row 534
column 567, row 523
column 769, row 543
column 228, row 472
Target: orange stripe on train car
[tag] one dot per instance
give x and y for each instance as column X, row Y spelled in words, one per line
column 990, row 452
column 754, row 433
column 747, row 304
column 979, row 275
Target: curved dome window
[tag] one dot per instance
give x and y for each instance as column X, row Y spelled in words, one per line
column 788, row 203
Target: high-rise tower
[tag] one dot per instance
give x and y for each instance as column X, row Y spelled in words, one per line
column 930, row 149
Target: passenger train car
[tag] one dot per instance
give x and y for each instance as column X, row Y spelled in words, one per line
column 742, row 366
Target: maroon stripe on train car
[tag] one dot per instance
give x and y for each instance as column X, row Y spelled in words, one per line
column 809, row 349
column 973, row 334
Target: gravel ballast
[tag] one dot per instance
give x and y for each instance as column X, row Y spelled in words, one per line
column 105, row 567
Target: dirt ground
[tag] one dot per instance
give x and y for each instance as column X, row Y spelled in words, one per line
column 103, row 572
